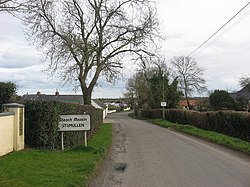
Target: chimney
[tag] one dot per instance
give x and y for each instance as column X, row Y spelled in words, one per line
column 38, row 93
column 56, row 93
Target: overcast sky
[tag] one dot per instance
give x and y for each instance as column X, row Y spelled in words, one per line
column 185, row 24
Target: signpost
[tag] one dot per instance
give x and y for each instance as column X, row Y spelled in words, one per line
column 163, row 104
column 74, row 123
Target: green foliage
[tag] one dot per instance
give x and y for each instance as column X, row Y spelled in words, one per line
column 236, row 124
column 42, row 119
column 7, row 92
column 148, row 89
column 173, row 96
column 221, row 99
column 160, row 85
column 73, row 167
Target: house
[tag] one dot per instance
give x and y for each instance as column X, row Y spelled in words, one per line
column 244, row 93
column 76, row 99
column 195, row 103
column 98, row 104
column 243, row 96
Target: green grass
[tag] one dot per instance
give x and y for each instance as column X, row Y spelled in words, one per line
column 230, row 142
column 72, row 167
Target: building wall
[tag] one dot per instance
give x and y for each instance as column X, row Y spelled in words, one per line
column 104, row 111
column 6, row 132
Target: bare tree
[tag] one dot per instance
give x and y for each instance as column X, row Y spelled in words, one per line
column 244, row 81
column 9, row 5
column 189, row 75
column 87, row 39
column 152, row 84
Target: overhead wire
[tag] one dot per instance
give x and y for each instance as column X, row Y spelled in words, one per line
column 221, row 34
column 223, row 26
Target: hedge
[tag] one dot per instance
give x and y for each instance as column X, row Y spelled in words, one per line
column 231, row 123
column 41, row 123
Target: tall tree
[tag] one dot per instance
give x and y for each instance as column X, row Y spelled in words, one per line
column 87, row 39
column 7, row 92
column 148, row 86
column 189, row 75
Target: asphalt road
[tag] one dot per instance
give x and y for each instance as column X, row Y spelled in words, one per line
column 146, row 155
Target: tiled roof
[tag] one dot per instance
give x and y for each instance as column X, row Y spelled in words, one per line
column 62, row 98
column 192, row 102
column 101, row 104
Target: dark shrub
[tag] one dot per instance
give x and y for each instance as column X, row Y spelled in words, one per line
column 42, row 119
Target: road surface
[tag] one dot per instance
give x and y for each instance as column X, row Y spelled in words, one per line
column 146, row 155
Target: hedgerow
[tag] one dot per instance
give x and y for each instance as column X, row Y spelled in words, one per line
column 235, row 124
column 42, row 119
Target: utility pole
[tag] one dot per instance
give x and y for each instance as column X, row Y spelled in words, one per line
column 163, row 99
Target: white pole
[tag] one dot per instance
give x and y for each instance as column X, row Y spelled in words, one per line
column 62, row 141
column 85, row 138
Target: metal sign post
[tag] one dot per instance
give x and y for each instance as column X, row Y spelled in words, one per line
column 85, row 139
column 163, row 104
column 62, row 140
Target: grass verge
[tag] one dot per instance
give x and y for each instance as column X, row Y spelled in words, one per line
column 72, row 167
column 230, row 142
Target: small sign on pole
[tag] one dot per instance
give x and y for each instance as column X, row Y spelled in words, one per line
column 74, row 123
column 163, row 104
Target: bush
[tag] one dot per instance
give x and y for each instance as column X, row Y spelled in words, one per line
column 221, row 99
column 235, row 124
column 42, row 119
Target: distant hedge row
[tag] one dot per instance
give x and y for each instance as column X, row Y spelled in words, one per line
column 235, row 124
column 41, row 123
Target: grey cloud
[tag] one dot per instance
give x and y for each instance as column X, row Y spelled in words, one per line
column 19, row 58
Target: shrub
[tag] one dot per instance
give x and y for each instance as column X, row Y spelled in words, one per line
column 235, row 124
column 42, row 119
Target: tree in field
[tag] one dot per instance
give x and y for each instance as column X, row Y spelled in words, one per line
column 189, row 75
column 7, row 92
column 87, row 39
column 221, row 99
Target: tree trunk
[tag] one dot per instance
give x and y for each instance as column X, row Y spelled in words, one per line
column 87, row 98
column 186, row 96
column 186, row 91
column 87, row 94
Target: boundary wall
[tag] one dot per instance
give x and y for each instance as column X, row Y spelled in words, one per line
column 11, row 128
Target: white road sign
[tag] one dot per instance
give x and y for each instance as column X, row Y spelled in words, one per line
column 163, row 103
column 74, row 123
